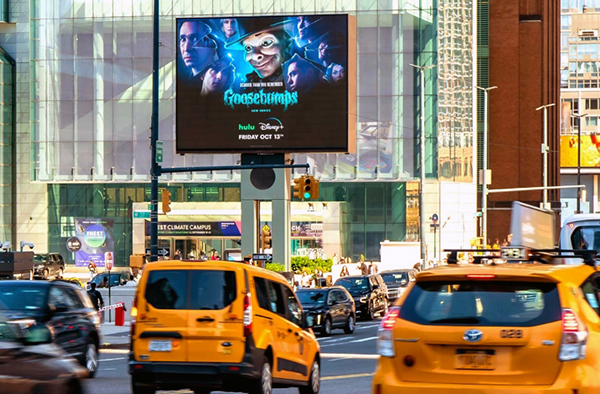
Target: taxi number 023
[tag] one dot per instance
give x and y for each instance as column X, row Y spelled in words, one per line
column 511, row 334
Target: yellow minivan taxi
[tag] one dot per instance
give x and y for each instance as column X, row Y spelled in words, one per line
column 219, row 326
column 507, row 328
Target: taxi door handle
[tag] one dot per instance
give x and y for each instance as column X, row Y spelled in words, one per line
column 205, row 319
column 290, row 331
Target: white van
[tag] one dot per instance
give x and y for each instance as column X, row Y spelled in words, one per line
column 580, row 231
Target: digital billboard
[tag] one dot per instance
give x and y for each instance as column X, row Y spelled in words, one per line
column 266, row 84
column 590, row 151
column 96, row 241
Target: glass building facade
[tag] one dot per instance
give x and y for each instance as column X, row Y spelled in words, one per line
column 7, row 148
column 89, row 69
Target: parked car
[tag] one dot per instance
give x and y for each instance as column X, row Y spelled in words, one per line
column 64, row 308
column 397, row 281
column 48, row 265
column 220, row 326
column 32, row 364
column 331, row 307
column 369, row 293
column 116, row 279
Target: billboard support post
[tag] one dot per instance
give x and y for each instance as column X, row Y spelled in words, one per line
column 153, row 138
column 579, row 116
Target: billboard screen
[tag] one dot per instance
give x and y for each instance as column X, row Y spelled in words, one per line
column 590, row 151
column 266, row 84
column 96, row 242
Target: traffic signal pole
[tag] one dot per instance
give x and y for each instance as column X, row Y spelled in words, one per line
column 155, row 169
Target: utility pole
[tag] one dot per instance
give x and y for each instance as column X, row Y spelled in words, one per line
column 153, row 138
column 545, row 149
column 579, row 118
column 484, row 163
column 422, row 135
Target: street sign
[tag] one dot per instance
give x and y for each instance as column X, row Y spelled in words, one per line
column 262, row 256
column 265, row 228
column 141, row 214
column 161, row 251
column 159, row 151
column 435, row 218
column 109, row 265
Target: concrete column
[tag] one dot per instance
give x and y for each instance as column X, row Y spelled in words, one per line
column 250, row 211
column 280, row 231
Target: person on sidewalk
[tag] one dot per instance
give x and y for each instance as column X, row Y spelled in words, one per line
column 95, row 296
column 92, row 269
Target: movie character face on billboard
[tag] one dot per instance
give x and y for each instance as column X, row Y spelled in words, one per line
column 197, row 49
column 336, row 74
column 306, row 30
column 266, row 51
column 218, row 77
column 301, row 75
column 229, row 27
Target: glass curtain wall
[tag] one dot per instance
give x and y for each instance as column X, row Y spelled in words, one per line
column 93, row 62
column 7, row 148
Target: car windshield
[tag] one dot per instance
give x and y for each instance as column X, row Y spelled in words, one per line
column 353, row 284
column 23, row 297
column 395, row 278
column 484, row 303
column 40, row 258
column 311, row 297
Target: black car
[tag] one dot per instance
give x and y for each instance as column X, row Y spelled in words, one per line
column 65, row 309
column 331, row 307
column 369, row 293
column 48, row 265
column 116, row 279
column 32, row 364
column 397, row 281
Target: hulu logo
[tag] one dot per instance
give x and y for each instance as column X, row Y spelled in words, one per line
column 246, row 127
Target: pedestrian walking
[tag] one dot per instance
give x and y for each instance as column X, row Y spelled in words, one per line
column 364, row 268
column 92, row 269
column 373, row 269
column 95, row 297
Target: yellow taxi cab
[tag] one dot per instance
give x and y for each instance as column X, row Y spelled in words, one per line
column 505, row 328
column 219, row 326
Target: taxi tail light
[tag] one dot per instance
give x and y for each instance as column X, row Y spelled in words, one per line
column 385, row 340
column 247, row 315
column 574, row 337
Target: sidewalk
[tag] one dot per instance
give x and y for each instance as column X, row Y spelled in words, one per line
column 114, row 337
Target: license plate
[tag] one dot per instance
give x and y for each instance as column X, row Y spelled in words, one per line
column 475, row 359
column 160, row 346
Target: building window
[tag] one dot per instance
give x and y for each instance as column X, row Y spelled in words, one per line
column 591, row 121
column 591, row 104
column 565, row 22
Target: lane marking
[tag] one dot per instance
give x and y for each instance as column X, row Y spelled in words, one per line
column 359, row 356
column 363, row 340
column 357, row 375
column 114, row 351
column 113, row 359
column 108, row 369
column 345, row 343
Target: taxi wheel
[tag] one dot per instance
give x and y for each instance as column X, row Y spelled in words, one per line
column 326, row 330
column 350, row 324
column 314, row 383
column 136, row 388
column 264, row 385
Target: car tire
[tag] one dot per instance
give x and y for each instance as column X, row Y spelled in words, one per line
column 140, row 388
column 314, row 380
column 90, row 358
column 327, row 327
column 46, row 274
column 264, row 385
column 350, row 325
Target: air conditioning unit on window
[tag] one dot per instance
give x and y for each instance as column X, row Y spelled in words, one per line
column 588, row 33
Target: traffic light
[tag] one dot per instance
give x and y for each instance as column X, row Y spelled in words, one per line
column 266, row 240
column 298, row 182
column 166, row 201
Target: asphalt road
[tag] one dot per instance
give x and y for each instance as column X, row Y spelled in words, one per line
column 348, row 364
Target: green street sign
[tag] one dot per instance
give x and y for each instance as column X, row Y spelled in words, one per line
column 159, row 151
column 141, row 215
column 150, row 206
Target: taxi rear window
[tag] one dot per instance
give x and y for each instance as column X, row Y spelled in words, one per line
column 483, row 303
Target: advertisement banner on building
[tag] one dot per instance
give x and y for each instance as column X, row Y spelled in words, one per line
column 590, row 151
column 306, row 229
column 215, row 229
column 266, row 84
column 97, row 242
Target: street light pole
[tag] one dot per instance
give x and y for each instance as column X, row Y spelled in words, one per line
column 422, row 135
column 579, row 117
column 484, row 192
column 545, row 149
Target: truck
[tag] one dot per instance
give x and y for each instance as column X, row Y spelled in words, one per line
column 16, row 265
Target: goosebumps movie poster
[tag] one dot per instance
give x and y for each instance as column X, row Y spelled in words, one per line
column 263, row 84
